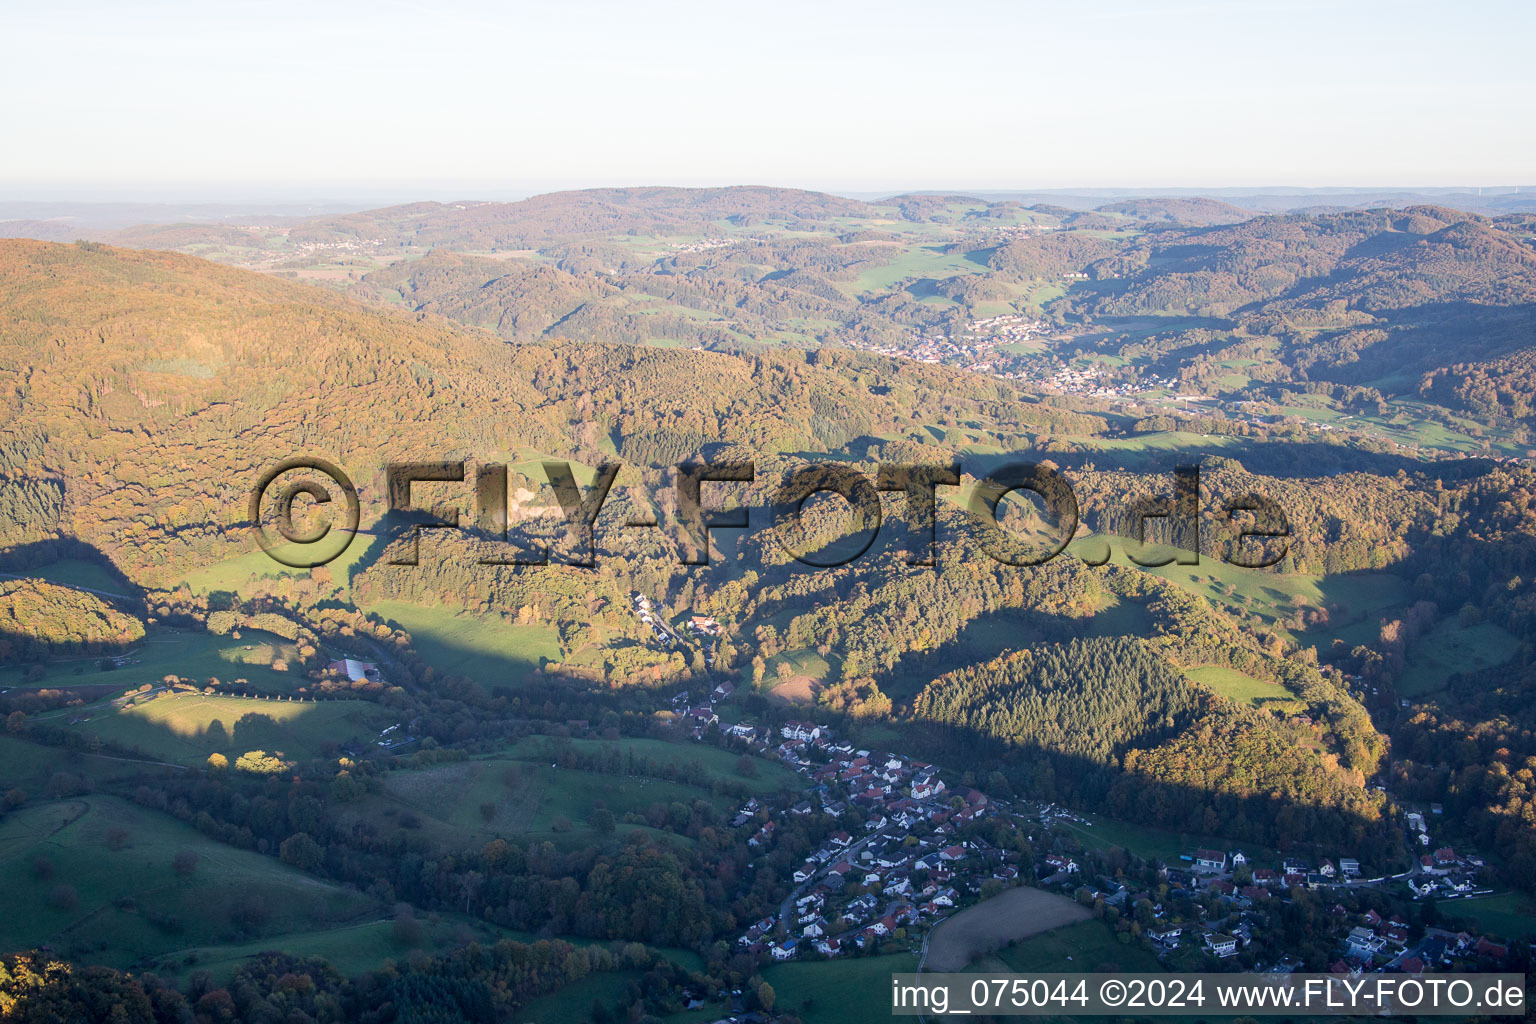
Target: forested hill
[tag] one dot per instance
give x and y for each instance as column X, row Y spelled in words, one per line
column 1426, row 305
column 1107, row 722
column 39, row 620
column 1374, row 262
column 151, row 388
column 565, row 216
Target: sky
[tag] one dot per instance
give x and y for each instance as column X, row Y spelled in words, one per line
column 150, row 100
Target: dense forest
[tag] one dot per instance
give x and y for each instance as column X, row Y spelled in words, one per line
column 40, row 621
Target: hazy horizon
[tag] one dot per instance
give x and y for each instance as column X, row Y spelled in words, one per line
column 364, row 197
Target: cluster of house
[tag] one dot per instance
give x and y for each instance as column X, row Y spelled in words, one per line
column 657, row 622
column 702, row 244
column 1447, row 874
column 906, row 866
column 941, row 349
column 1441, row 872
column 1088, row 381
column 976, row 349
column 1383, row 944
column 1293, row 872
column 700, row 628
column 1220, row 931
column 1230, row 913
column 1008, row 327
column 1375, row 934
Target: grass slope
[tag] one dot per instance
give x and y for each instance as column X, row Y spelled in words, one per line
column 128, row 904
column 485, row 649
column 177, row 728
column 193, row 654
column 1240, row 687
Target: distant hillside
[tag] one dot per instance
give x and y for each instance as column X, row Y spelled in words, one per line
column 566, row 216
column 1197, row 212
column 1361, row 298
column 150, row 388
column 1423, row 303
column 1376, row 261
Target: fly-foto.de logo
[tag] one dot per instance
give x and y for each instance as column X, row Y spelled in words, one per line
column 319, row 486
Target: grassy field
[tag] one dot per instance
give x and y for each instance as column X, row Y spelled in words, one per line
column 111, row 894
column 484, row 648
column 195, row 655
column 573, row 1003
column 850, row 991
column 1005, row 918
column 75, row 572
column 1240, row 687
column 177, row 728
column 712, row 762
column 351, row 948
column 31, row 767
column 807, row 673
column 534, row 800
column 1164, row 844
column 853, row 990
column 1086, row 946
column 235, row 574
column 1275, row 596
column 1450, row 648
column 1511, row 916
column 919, row 262
column 526, row 796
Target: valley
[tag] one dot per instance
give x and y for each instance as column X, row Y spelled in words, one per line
column 758, row 786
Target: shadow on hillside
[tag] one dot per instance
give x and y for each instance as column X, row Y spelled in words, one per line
column 34, row 558
column 1286, row 460
column 1035, row 772
column 995, row 634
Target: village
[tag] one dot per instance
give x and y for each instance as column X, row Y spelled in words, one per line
column 902, row 852
column 982, row 348
column 895, row 849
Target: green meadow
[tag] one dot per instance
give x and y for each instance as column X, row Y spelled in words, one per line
column 33, row 767
column 76, row 572
column 1085, row 946
column 520, row 794
column 1242, row 688
column 855, row 990
column 1270, row 595
column 236, row 573
column 94, row 879
column 709, row 762
column 1450, row 648
column 613, row 989
column 798, row 665
column 185, row 728
column 1510, row 916
column 192, row 654
column 487, row 649
column 919, row 262
column 350, row 948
